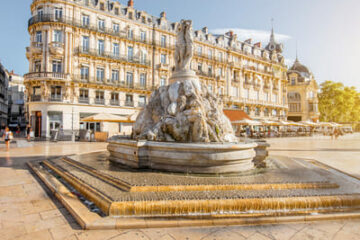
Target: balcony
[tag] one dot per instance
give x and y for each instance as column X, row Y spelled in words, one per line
column 84, row 100
column 129, row 103
column 47, row 75
column 163, row 66
column 55, row 98
column 99, row 101
column 49, row 18
column 110, row 55
column 141, row 104
column 56, row 48
column 205, row 74
column 36, row 98
column 114, row 102
column 247, row 84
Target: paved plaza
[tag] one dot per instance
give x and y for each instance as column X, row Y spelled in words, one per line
column 27, row 211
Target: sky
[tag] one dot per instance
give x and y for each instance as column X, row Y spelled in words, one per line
column 326, row 32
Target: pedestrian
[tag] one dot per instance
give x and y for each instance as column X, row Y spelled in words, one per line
column 28, row 131
column 8, row 136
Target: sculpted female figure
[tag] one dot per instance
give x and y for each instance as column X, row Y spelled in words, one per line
column 184, row 46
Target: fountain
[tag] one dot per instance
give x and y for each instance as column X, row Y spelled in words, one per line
column 183, row 127
column 183, row 166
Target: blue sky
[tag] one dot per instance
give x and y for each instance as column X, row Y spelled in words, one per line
column 327, row 31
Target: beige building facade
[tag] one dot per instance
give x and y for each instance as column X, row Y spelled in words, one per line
column 88, row 57
column 302, row 94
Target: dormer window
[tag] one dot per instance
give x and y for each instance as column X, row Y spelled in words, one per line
column 116, row 11
column 130, row 15
column 102, row 6
column 86, row 2
column 143, row 20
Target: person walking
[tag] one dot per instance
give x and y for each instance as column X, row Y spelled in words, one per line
column 28, row 131
column 8, row 136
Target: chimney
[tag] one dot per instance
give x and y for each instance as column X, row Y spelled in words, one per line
column 258, row 44
column 131, row 3
column 163, row 14
column 248, row 41
column 205, row 30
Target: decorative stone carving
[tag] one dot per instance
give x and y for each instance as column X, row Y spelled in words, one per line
column 184, row 46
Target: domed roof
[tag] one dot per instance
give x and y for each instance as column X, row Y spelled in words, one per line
column 299, row 67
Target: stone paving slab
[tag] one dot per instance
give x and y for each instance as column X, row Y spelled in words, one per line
column 14, row 166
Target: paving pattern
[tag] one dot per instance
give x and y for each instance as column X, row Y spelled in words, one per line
column 27, row 212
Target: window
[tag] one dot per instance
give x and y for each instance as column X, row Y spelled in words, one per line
column 257, row 96
column 235, row 92
column 101, row 24
column 40, row 13
column 36, row 91
column 199, row 50
column 130, row 34
column 85, row 44
column 102, row 6
column 143, row 20
column 162, row 82
column 210, row 70
column 115, row 75
column 274, row 98
column 99, row 97
column 247, row 110
column 220, row 72
column 58, row 36
column 129, row 79
column 37, row 66
column 130, row 15
column 38, row 37
column 293, row 81
column 101, row 47
column 257, row 111
column 56, row 66
column 85, row 20
column 84, row 71
column 163, row 58
column 84, row 94
column 100, row 73
column 200, row 67
column 220, row 56
column 116, row 50
column 55, row 120
column 116, row 11
column 58, row 13
column 274, row 112
column 266, row 97
column 210, row 87
column 247, row 93
column 116, row 28
column 209, row 54
column 143, row 79
column 266, row 112
column 86, row 2
column 143, row 57
column 143, row 36
column 130, row 53
column 142, row 101
column 114, row 100
column 163, row 41
column 55, row 92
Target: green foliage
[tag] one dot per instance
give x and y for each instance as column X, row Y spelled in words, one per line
column 338, row 103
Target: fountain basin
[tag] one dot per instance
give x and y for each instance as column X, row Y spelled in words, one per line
column 209, row 158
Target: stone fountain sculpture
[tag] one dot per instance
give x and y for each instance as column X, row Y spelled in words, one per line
column 183, row 127
column 185, row 110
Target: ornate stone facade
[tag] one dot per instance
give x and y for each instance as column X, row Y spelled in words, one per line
column 302, row 94
column 88, row 57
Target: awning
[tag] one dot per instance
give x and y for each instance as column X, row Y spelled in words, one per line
column 247, row 122
column 107, row 117
column 269, row 123
column 235, row 115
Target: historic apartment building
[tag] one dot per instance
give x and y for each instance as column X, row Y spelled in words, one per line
column 16, row 101
column 4, row 81
column 98, row 56
column 302, row 94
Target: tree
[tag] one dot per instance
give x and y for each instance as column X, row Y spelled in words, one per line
column 338, row 103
